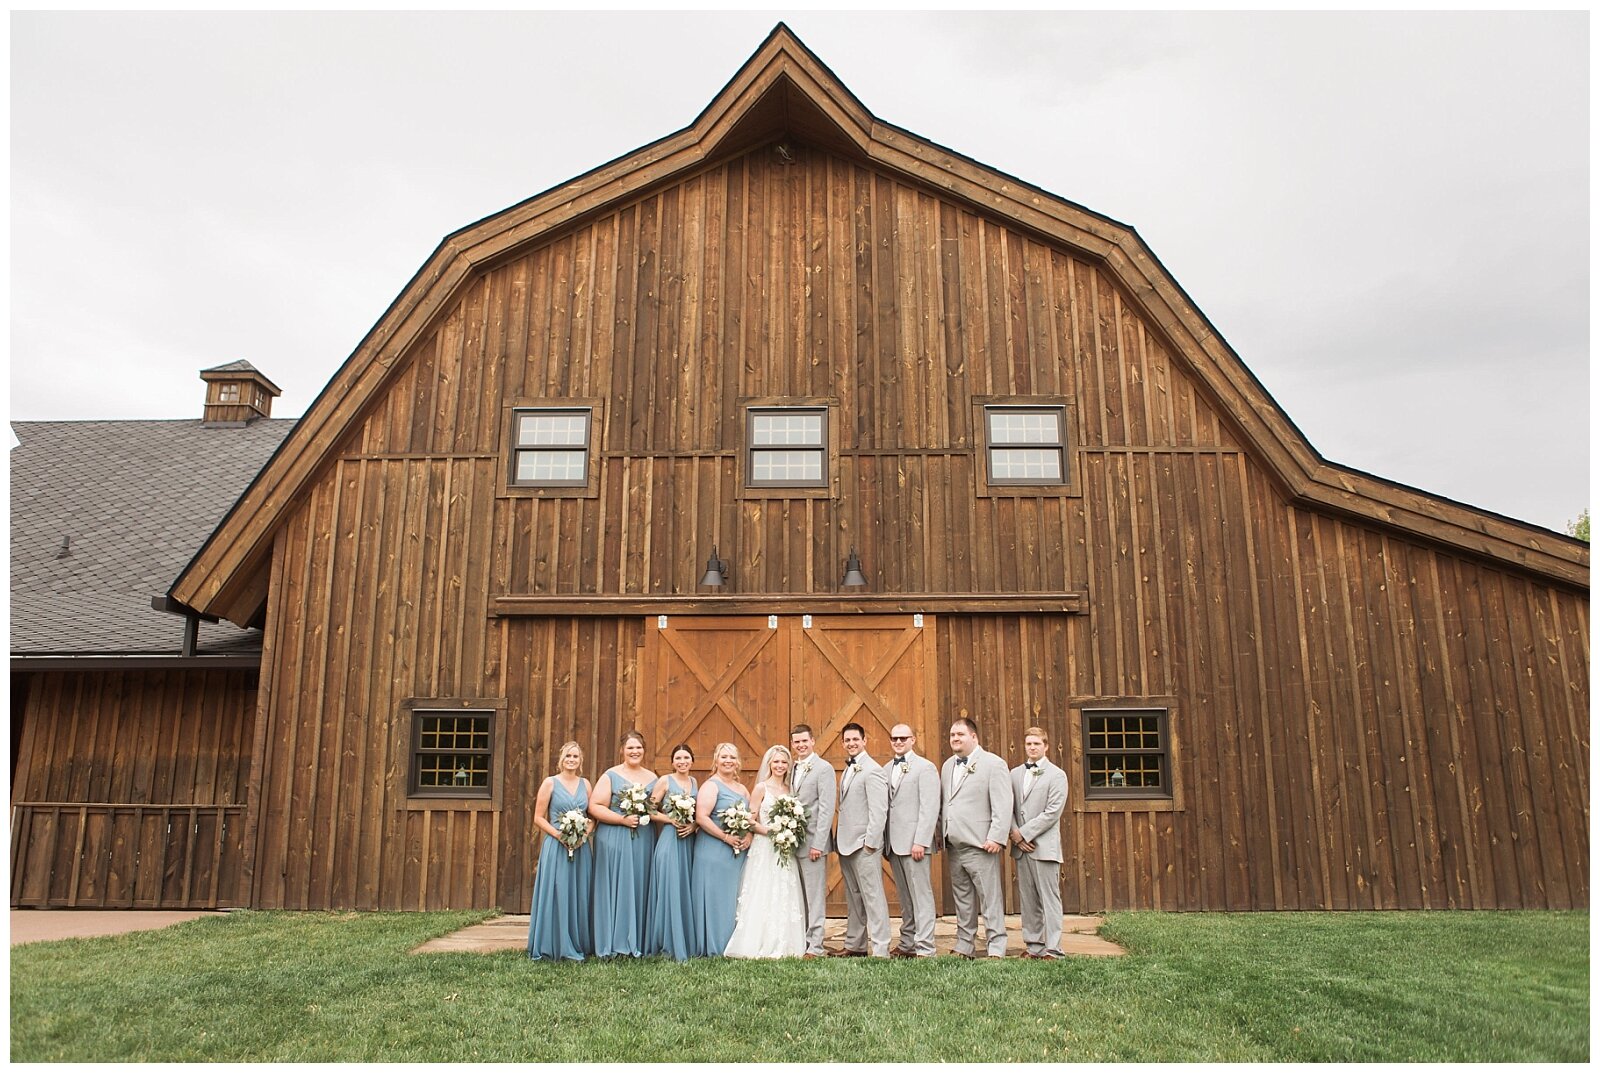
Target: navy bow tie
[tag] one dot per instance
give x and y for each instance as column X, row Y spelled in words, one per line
column 899, row 759
column 961, row 761
column 1030, row 765
column 850, row 762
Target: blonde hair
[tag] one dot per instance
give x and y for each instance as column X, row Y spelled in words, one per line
column 562, row 752
column 766, row 763
column 716, row 754
column 1037, row 732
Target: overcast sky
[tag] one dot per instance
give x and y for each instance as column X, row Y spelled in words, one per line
column 1386, row 216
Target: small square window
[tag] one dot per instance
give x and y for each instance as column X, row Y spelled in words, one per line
column 550, row 447
column 227, row 392
column 1125, row 753
column 1025, row 444
column 452, row 753
column 788, row 447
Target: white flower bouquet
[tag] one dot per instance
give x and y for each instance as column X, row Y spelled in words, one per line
column 788, row 826
column 634, row 800
column 574, row 827
column 737, row 821
column 678, row 808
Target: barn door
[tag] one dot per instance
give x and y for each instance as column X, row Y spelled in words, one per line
column 748, row 679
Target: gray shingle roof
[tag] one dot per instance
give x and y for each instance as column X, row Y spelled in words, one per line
column 135, row 499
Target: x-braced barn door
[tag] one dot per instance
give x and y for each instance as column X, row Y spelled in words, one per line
column 747, row 679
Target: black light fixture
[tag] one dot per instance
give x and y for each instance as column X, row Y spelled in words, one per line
column 716, row 571
column 853, row 577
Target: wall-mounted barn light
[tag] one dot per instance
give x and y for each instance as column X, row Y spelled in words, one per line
column 716, row 571
column 853, row 577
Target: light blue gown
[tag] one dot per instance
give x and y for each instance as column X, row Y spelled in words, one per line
column 621, row 881
column 558, row 924
column 666, row 918
column 714, row 886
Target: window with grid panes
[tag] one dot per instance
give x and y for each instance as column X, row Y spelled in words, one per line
column 1026, row 444
column 550, row 447
column 1125, row 753
column 451, row 753
column 788, row 447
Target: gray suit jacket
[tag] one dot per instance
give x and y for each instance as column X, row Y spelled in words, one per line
column 863, row 807
column 1038, row 809
column 913, row 805
column 977, row 806
column 818, row 791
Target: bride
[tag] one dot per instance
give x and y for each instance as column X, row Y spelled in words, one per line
column 770, row 922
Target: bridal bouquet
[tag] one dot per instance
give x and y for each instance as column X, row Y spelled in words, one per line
column 574, row 827
column 635, row 801
column 788, row 826
column 737, row 821
column 678, row 808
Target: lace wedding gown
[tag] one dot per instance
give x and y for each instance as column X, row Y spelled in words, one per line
column 771, row 917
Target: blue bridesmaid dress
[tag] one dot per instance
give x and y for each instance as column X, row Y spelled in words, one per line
column 621, row 881
column 714, row 886
column 666, row 918
column 558, row 924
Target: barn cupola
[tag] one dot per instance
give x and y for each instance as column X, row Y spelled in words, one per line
column 236, row 394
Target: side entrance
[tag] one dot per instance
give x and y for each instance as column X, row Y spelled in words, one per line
column 748, row 678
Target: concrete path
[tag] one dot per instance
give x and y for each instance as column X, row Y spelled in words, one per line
column 511, row 933
column 39, row 925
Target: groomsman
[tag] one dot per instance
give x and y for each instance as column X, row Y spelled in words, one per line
column 1040, row 790
column 977, row 819
column 814, row 782
column 863, row 810
column 909, row 843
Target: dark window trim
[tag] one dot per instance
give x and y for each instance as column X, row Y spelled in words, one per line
column 1162, row 752
column 589, row 487
column 1069, row 485
column 827, row 487
column 1075, row 755
column 407, row 742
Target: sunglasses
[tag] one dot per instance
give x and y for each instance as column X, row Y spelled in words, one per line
column 906, row 737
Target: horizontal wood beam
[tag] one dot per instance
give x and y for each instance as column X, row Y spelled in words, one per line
column 824, row 603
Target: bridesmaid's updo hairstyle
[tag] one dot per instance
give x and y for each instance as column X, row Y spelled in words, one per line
column 634, row 735
column 681, row 747
column 716, row 754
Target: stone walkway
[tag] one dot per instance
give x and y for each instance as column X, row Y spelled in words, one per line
column 1078, row 936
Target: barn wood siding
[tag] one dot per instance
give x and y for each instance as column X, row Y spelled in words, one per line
column 1366, row 722
column 130, row 789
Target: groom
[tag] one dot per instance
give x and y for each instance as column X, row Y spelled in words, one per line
column 814, row 785
column 863, row 808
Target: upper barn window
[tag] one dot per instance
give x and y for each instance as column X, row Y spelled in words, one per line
column 1026, row 445
column 788, row 447
column 551, row 447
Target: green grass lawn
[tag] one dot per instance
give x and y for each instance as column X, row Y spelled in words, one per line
column 1196, row 987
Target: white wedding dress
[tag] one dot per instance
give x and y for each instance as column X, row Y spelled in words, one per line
column 770, row 920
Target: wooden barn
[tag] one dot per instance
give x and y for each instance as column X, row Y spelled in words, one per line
column 787, row 341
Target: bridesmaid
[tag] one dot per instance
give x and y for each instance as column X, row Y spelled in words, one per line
column 558, row 925
column 666, row 919
column 714, row 889
column 621, row 856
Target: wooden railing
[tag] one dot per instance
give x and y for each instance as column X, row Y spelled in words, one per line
column 126, row 856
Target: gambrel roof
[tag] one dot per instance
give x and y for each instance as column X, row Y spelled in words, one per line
column 784, row 90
